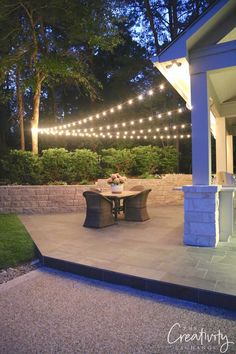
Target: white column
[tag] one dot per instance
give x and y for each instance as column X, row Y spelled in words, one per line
column 230, row 157
column 221, row 159
column 201, row 142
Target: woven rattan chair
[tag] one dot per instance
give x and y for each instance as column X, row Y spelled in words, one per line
column 99, row 210
column 136, row 207
column 138, row 187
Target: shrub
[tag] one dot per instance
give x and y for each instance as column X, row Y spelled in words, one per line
column 168, row 160
column 56, row 165
column 21, row 167
column 146, row 159
column 85, row 165
column 115, row 160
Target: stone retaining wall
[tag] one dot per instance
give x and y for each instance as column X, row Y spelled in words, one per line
column 59, row 199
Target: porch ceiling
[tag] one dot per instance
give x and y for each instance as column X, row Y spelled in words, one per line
column 223, row 82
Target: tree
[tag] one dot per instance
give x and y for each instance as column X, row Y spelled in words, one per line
column 52, row 41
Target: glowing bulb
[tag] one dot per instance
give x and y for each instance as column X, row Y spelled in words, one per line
column 100, row 128
column 140, row 120
column 183, row 126
column 168, row 137
column 74, row 123
column 159, row 115
column 138, row 137
column 130, row 101
column 149, row 130
column 141, row 131
column 150, row 118
column 85, row 120
column 132, row 122
column 97, row 116
column 104, row 113
column 145, row 137
column 175, row 136
column 80, row 122
column 112, row 110
column 181, row 136
column 108, row 127
column 123, row 124
column 140, row 97
column 115, row 126
column 150, row 92
column 169, row 113
column 131, row 136
column 188, row 136
column 161, row 136
column 174, row 127
column 157, row 129
column 154, row 137
column 180, row 110
column 125, row 133
column 119, row 106
column 162, row 87
column 133, row 131
column 90, row 118
column 166, row 128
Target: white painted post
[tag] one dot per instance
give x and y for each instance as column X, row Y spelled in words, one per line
column 221, row 156
column 230, row 162
column 201, row 142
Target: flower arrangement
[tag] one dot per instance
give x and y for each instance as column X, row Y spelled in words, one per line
column 116, row 178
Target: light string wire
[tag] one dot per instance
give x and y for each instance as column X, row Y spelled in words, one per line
column 110, row 129
column 114, row 125
column 110, row 110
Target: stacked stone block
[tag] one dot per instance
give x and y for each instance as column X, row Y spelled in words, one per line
column 59, row 199
column 201, row 215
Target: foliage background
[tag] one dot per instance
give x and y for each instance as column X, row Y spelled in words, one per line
column 83, row 166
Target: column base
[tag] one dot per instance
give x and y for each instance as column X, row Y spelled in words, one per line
column 201, row 215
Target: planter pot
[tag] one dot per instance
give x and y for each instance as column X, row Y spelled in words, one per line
column 117, row 188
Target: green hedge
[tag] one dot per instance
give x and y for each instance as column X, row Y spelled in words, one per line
column 59, row 166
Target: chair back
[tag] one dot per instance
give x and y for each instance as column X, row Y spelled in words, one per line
column 97, row 202
column 139, row 200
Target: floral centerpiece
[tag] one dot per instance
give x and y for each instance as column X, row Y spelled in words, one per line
column 117, row 182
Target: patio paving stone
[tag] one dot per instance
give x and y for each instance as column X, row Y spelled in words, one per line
column 153, row 250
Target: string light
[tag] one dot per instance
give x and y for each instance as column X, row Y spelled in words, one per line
column 115, row 126
column 112, row 109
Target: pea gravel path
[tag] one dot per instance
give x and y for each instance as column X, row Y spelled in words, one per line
column 47, row 311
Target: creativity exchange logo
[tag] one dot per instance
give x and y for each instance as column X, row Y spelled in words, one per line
column 198, row 340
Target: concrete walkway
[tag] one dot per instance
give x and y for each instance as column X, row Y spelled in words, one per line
column 52, row 312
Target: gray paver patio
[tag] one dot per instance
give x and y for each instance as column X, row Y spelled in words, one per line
column 152, row 249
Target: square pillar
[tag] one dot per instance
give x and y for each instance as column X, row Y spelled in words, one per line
column 201, row 142
column 201, row 215
column 221, row 155
column 230, row 157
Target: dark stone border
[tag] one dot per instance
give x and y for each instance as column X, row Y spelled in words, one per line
column 200, row 296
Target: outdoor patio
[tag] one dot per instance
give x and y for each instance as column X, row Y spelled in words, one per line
column 151, row 250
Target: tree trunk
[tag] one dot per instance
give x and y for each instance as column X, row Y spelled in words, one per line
column 20, row 104
column 152, row 25
column 35, row 117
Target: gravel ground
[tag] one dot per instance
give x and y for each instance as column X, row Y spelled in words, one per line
column 11, row 273
column 46, row 311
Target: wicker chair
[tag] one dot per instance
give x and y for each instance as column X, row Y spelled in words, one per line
column 136, row 207
column 99, row 210
column 139, row 187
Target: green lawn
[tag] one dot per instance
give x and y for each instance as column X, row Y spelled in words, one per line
column 16, row 245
